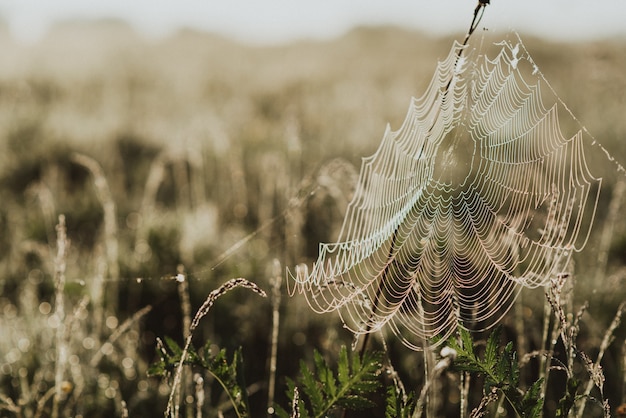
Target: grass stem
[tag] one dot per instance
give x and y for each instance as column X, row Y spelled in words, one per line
column 62, row 349
column 276, row 283
column 172, row 409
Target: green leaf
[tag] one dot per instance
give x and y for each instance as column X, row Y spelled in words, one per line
column 468, row 344
column 491, row 351
column 312, row 387
column 350, row 388
column 343, row 366
column 228, row 375
column 325, row 374
column 501, row 371
column 532, row 402
column 170, row 353
column 512, row 365
column 397, row 406
column 157, row 369
column 173, row 346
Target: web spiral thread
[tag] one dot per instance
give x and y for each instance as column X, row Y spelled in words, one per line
column 477, row 195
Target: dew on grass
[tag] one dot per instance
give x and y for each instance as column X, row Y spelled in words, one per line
column 45, row 308
column 13, row 356
column 129, row 370
column 6, row 369
column 130, row 374
column 23, row 344
column 164, row 390
column 143, row 385
column 107, row 349
column 110, row 392
column 54, row 321
column 128, row 362
column 111, row 322
column 103, row 381
column 35, row 276
column 88, row 343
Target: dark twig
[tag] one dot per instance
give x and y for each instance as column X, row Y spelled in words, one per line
column 478, row 14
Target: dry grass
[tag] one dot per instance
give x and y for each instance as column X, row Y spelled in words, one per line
column 172, row 151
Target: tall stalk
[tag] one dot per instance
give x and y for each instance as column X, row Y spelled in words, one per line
column 276, row 283
column 62, row 348
column 478, row 14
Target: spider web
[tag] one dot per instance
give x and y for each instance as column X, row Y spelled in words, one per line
column 477, row 195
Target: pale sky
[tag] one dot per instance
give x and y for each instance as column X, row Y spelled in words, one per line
column 271, row 21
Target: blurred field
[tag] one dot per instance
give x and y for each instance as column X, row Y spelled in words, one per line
column 169, row 152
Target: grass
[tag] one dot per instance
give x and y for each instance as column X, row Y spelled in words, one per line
column 168, row 153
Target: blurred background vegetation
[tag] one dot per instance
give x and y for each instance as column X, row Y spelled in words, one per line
column 169, row 152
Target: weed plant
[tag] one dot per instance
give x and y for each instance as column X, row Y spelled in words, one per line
column 199, row 152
